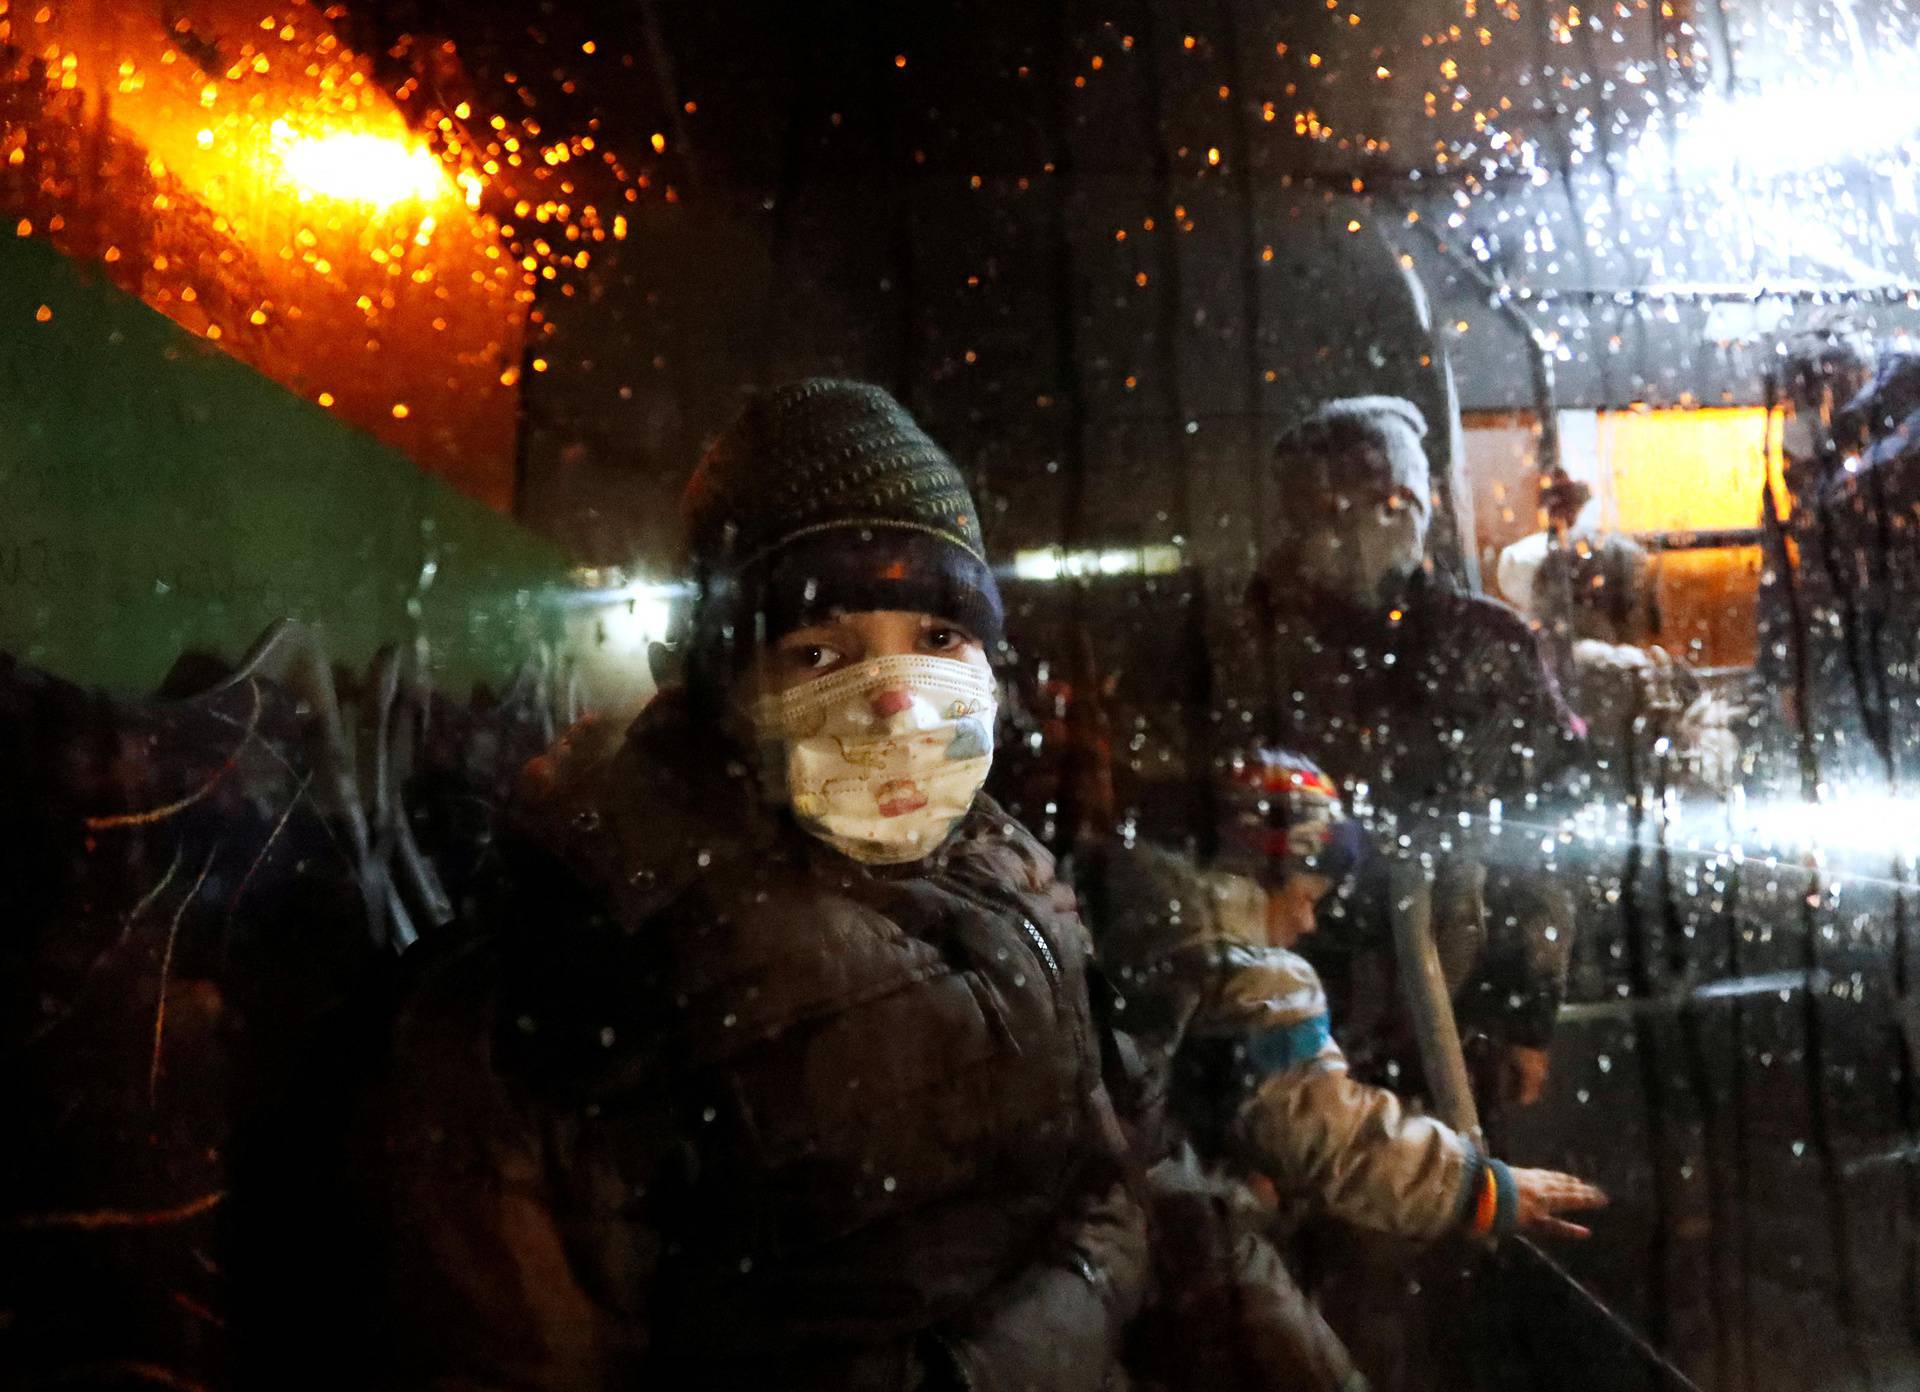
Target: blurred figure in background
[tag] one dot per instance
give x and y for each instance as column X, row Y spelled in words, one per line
column 1599, row 594
column 1869, row 503
column 1810, row 660
column 1423, row 703
column 1564, row 504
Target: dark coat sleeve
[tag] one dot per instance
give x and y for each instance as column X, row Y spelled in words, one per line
column 1056, row 1327
column 1530, row 929
column 1520, row 919
column 1225, row 1314
column 1533, row 737
column 483, row 1289
column 518, row 1248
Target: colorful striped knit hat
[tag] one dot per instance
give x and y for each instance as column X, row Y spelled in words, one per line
column 1281, row 813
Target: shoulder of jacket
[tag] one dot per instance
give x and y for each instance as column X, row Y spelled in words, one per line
column 554, row 786
column 1147, row 903
column 996, row 839
column 1263, row 988
column 1493, row 619
column 1144, row 866
column 607, row 805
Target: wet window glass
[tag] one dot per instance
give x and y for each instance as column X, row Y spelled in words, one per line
column 1030, row 695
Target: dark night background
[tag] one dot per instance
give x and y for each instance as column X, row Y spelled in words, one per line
column 1075, row 240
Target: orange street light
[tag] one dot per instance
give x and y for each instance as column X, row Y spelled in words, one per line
column 355, row 167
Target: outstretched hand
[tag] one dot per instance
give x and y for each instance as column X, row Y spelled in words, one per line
column 1523, row 1074
column 1545, row 1194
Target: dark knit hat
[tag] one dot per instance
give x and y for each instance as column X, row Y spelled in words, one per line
column 825, row 495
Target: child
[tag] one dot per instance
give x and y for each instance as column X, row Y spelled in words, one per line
column 1234, row 1024
column 776, row 1065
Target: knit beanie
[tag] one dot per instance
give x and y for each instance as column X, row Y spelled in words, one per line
column 1389, row 426
column 826, row 495
column 1280, row 813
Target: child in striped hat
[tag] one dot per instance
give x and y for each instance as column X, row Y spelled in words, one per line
column 1206, row 960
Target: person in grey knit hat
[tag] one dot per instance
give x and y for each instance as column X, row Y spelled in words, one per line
column 1421, row 700
column 773, row 1063
column 1424, row 704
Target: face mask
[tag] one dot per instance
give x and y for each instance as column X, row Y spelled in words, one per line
column 1365, row 554
column 881, row 789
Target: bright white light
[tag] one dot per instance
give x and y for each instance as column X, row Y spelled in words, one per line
column 634, row 624
column 359, row 168
column 630, row 613
column 1037, row 565
column 632, row 616
column 1849, row 823
column 1795, row 126
column 1053, row 563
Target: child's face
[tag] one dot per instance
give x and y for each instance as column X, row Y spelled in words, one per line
column 809, row 653
column 1291, row 905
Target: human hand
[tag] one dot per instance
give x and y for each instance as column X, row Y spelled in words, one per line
column 1545, row 1194
column 1523, row 1074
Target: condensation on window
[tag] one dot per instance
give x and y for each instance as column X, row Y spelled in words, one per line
column 1490, row 419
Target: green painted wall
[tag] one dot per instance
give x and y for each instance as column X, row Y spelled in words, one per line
column 157, row 495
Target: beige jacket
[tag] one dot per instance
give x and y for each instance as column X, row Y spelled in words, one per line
column 1328, row 1142
column 1187, row 949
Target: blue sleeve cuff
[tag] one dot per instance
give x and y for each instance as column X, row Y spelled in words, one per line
column 1470, row 1181
column 1506, row 1208
column 1290, row 1046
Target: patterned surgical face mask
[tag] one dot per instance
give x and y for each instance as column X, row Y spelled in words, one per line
column 1370, row 551
column 882, row 789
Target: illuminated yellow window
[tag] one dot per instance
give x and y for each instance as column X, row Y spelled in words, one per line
column 1685, row 471
column 1669, row 473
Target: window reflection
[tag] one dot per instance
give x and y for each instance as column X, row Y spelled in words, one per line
column 1499, row 414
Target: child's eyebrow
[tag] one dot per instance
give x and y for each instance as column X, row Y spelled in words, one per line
column 806, row 638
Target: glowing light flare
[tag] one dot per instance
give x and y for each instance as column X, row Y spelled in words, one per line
column 1053, row 563
column 358, row 167
column 1847, row 823
column 1792, row 126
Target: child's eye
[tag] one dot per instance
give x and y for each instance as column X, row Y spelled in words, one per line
column 814, row 657
column 945, row 637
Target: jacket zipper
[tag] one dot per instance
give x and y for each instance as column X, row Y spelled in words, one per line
column 1041, row 946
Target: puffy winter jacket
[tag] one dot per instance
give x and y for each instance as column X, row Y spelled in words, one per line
column 1239, row 1033
column 711, row 1105
column 1332, row 1143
